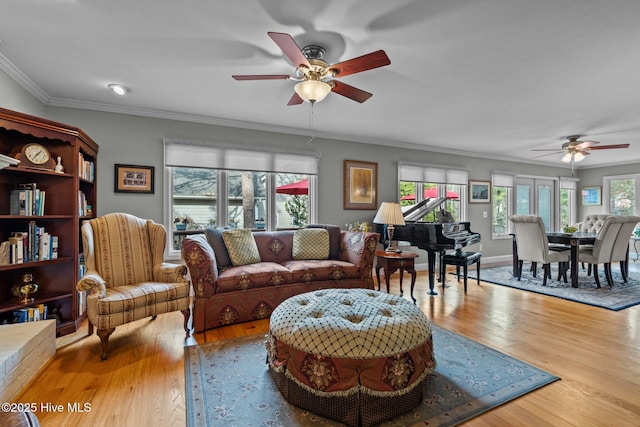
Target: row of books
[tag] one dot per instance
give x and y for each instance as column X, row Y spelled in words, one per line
column 84, row 209
column 86, row 168
column 30, row 314
column 35, row 244
column 27, row 200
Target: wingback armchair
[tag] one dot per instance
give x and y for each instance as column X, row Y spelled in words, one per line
column 127, row 278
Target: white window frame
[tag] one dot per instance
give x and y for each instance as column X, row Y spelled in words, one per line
column 224, row 157
column 606, row 191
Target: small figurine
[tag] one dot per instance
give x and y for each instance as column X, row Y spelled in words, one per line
column 59, row 168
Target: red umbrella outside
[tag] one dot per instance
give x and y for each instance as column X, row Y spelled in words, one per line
column 295, row 188
column 431, row 193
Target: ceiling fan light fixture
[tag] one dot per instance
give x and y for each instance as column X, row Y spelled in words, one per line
column 567, row 158
column 312, row 90
column 578, row 157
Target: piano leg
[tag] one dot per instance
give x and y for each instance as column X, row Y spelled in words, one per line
column 431, row 257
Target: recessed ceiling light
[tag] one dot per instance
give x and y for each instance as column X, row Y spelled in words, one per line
column 119, row 89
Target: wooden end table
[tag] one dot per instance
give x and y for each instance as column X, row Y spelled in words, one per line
column 391, row 262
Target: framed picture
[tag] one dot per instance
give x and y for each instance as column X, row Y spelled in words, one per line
column 360, row 185
column 479, row 192
column 591, row 196
column 133, row 179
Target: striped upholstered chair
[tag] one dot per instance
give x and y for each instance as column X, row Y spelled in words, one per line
column 126, row 277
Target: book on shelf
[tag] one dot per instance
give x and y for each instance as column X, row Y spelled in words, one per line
column 32, row 245
column 27, row 200
column 86, row 168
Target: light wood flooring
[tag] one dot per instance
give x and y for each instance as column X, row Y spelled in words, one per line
column 596, row 352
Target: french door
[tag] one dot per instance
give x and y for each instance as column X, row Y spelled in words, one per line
column 537, row 196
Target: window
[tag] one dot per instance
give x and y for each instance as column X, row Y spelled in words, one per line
column 501, row 204
column 568, row 201
column 211, row 184
column 422, row 182
column 621, row 192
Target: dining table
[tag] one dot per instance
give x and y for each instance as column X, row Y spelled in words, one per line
column 571, row 240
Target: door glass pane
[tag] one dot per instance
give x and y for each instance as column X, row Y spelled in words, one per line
column 523, row 202
column 500, row 209
column 292, row 200
column 544, row 205
column 622, row 196
column 247, row 204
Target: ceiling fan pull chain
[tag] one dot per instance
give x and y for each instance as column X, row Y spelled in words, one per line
column 312, row 135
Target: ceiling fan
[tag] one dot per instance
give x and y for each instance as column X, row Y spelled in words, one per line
column 315, row 75
column 575, row 150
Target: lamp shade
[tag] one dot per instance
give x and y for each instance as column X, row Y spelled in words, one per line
column 312, row 90
column 389, row 213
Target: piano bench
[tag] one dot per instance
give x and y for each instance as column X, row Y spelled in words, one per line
column 461, row 259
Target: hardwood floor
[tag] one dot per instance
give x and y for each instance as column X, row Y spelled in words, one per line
column 595, row 352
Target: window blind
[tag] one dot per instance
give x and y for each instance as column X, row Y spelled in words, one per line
column 212, row 155
column 414, row 172
column 502, row 179
column 567, row 183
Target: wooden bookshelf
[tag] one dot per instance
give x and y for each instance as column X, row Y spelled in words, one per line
column 62, row 214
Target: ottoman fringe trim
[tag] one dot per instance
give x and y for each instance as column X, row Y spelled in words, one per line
column 339, row 393
column 407, row 389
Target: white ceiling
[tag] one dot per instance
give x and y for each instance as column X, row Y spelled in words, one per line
column 492, row 77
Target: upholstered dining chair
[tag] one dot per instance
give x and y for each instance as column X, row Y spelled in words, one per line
column 620, row 251
column 127, row 278
column 532, row 245
column 602, row 249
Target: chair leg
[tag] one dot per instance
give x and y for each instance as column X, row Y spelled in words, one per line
column 547, row 273
column 89, row 328
column 104, row 337
column 595, row 273
column 589, row 269
column 520, row 263
column 187, row 315
column 534, row 268
column 465, row 278
column 607, row 273
column 478, row 276
column 623, row 271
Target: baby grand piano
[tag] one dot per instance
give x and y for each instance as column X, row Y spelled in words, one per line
column 434, row 237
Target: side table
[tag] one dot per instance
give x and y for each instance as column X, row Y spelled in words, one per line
column 391, row 262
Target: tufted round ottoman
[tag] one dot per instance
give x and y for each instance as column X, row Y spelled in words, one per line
column 357, row 356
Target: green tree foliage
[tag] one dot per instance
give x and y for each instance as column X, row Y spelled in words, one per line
column 297, row 208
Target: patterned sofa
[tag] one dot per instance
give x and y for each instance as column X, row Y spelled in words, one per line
column 287, row 263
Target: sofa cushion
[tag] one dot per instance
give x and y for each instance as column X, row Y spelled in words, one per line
column 334, row 238
column 310, row 243
column 214, row 237
column 241, row 246
column 308, row 271
column 250, row 276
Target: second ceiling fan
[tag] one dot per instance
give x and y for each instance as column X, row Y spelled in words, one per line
column 575, row 150
column 315, row 76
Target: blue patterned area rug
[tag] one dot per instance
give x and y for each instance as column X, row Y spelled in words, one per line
column 227, row 384
column 620, row 296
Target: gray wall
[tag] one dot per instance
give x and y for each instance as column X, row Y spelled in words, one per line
column 137, row 140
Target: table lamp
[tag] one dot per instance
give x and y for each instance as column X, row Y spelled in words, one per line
column 390, row 215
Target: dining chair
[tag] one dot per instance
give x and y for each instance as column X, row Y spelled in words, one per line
column 602, row 249
column 532, row 245
column 620, row 251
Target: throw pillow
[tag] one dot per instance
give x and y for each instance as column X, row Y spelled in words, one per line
column 310, row 243
column 241, row 246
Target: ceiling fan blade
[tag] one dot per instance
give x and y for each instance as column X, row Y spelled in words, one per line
column 546, row 149
column 362, row 63
column 295, row 100
column 548, row 154
column 262, row 77
column 350, row 92
column 606, row 147
column 586, row 144
column 290, row 49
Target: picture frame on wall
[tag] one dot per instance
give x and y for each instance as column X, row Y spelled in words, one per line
column 133, row 179
column 360, row 185
column 591, row 196
column 479, row 191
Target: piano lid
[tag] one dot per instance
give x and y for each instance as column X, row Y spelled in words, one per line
column 422, row 208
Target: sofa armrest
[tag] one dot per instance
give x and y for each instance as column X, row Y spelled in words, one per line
column 93, row 283
column 201, row 263
column 170, row 273
column 359, row 249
